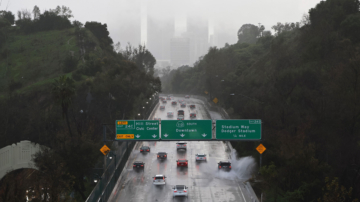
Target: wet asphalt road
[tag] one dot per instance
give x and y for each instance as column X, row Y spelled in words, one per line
column 205, row 182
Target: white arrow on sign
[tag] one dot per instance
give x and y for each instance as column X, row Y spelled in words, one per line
column 154, row 136
column 166, row 135
column 137, row 136
column 204, row 135
column 182, row 135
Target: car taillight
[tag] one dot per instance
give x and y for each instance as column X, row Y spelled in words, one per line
column 134, row 165
column 229, row 166
column 184, row 190
column 178, row 145
column 158, row 156
column 165, row 156
column 204, row 157
column 219, row 166
column 142, row 165
column 197, row 157
column 147, row 150
column 163, row 178
column 141, row 150
column 154, row 178
column 186, row 163
column 175, row 191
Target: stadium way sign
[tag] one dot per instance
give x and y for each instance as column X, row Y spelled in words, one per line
column 137, row 130
column 245, row 129
column 186, row 129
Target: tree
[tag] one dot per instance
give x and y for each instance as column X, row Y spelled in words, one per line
column 8, row 16
column 100, row 31
column 248, row 33
column 65, row 12
column 36, row 12
column 62, row 91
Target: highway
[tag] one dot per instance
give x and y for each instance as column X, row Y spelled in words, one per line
column 204, row 180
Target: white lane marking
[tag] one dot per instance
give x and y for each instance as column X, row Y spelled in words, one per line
column 241, row 192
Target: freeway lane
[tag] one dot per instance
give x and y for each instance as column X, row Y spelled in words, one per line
column 205, row 182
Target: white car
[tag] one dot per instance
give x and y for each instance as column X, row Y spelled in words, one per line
column 200, row 157
column 159, row 180
column 180, row 190
column 170, row 114
column 180, row 145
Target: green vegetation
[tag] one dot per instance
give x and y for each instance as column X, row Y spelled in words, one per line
column 303, row 83
column 58, row 84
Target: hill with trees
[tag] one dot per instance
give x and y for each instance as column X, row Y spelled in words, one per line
column 303, row 83
column 59, row 81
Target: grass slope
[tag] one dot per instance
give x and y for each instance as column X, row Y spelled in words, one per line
column 36, row 59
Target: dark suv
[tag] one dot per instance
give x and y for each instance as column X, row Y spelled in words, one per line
column 162, row 155
column 224, row 165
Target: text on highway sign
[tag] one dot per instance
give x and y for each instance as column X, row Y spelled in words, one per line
column 244, row 129
column 137, row 129
column 186, row 129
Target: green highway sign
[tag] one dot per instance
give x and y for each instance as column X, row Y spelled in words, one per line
column 137, row 130
column 186, row 129
column 245, row 129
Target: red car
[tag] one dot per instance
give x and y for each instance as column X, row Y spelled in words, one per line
column 182, row 163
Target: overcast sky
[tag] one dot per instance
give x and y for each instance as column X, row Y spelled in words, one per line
column 230, row 14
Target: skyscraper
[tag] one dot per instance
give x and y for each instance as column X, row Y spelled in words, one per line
column 180, row 51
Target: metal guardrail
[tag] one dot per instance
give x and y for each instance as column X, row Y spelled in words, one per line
column 106, row 184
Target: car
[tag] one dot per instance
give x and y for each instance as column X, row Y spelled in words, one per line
column 224, row 165
column 157, row 118
column 200, row 157
column 162, row 155
column 180, row 145
column 187, row 96
column 138, row 164
column 183, row 105
column 159, row 179
column 180, row 190
column 181, row 101
column 170, row 114
column 180, row 117
column 164, row 101
column 192, row 106
column 162, row 107
column 182, row 163
column 173, row 103
column 168, row 98
column 180, row 112
column 192, row 115
column 144, row 149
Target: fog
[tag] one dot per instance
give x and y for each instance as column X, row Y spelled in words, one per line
column 130, row 20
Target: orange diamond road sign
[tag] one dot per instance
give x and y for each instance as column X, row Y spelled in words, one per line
column 104, row 149
column 215, row 100
column 260, row 148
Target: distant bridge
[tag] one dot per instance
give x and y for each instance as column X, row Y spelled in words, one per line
column 17, row 156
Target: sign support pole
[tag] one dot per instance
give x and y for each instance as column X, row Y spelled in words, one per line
column 260, row 160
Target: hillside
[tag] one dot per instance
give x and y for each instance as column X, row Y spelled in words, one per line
column 31, row 61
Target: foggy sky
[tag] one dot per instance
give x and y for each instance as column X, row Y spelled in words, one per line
column 123, row 15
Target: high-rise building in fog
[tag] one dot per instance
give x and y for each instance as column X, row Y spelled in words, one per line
column 180, row 51
column 198, row 33
column 159, row 34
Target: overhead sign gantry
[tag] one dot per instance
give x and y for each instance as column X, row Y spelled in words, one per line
column 201, row 130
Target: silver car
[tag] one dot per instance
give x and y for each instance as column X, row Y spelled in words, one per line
column 200, row 157
column 180, row 190
column 180, row 145
column 159, row 179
